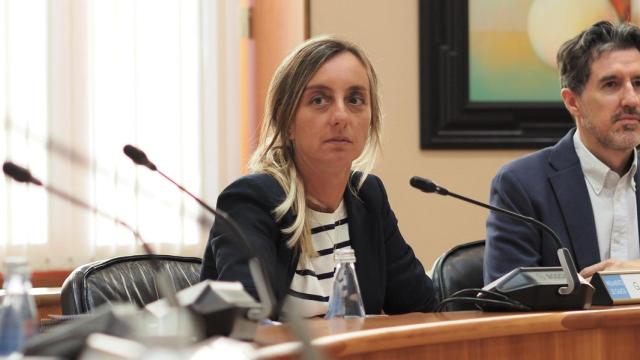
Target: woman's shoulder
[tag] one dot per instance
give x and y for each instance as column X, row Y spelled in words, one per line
column 372, row 190
column 372, row 183
column 262, row 180
column 257, row 184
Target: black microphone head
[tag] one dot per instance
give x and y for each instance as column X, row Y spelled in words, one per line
column 427, row 186
column 138, row 156
column 19, row 174
column 423, row 184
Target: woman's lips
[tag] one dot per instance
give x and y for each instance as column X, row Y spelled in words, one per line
column 339, row 139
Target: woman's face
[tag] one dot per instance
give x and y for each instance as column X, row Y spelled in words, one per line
column 331, row 123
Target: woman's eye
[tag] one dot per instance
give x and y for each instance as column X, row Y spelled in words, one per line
column 318, row 100
column 356, row 100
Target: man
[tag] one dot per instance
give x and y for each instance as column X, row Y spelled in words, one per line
column 584, row 187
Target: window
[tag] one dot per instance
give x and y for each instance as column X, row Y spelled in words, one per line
column 23, row 105
column 82, row 78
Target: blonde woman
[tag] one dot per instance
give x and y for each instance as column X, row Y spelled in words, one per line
column 310, row 191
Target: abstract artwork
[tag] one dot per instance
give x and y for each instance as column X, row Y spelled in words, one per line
column 513, row 43
column 488, row 76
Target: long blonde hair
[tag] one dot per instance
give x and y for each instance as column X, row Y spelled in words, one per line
column 274, row 154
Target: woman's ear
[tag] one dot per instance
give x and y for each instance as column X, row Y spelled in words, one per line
column 292, row 129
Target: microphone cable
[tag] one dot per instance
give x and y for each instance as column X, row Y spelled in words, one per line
column 492, row 300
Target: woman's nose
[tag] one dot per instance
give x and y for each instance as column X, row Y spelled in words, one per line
column 340, row 114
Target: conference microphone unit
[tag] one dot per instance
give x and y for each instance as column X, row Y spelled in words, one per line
column 23, row 175
column 215, row 300
column 535, row 288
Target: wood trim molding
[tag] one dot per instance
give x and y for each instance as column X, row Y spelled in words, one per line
column 53, row 278
column 277, row 27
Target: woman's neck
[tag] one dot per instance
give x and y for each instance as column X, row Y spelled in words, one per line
column 324, row 190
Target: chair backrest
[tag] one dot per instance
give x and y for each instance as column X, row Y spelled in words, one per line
column 459, row 268
column 124, row 279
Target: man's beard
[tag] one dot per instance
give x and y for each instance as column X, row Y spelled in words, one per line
column 625, row 138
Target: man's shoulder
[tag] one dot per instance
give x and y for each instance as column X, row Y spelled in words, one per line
column 557, row 157
column 531, row 164
column 527, row 172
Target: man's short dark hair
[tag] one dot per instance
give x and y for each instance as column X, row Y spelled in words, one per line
column 576, row 55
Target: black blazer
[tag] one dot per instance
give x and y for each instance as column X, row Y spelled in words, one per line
column 391, row 278
column 547, row 185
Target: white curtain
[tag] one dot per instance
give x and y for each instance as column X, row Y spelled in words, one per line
column 80, row 79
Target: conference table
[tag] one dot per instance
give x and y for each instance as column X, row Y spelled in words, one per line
column 598, row 333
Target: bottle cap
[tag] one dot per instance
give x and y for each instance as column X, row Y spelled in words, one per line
column 345, row 255
column 16, row 264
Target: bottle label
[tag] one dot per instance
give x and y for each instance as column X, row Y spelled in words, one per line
column 11, row 338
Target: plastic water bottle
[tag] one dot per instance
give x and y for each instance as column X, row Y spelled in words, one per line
column 11, row 338
column 18, row 314
column 345, row 300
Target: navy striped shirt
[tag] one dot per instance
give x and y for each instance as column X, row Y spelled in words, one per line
column 312, row 282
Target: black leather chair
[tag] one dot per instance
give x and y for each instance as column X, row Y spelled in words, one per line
column 124, row 279
column 459, row 268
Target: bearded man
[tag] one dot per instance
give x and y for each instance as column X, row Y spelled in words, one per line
column 583, row 187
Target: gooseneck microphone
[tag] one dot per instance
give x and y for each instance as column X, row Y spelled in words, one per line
column 257, row 273
column 532, row 287
column 19, row 173
column 140, row 158
column 23, row 175
column 429, row 186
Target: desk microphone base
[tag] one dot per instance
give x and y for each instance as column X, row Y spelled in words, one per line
column 538, row 288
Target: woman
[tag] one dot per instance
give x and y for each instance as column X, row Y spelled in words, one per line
column 310, row 191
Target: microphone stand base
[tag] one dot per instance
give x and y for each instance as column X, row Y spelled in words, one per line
column 221, row 308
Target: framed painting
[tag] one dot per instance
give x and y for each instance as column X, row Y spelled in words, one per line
column 488, row 77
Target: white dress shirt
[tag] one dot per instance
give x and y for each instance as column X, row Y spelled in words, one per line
column 613, row 199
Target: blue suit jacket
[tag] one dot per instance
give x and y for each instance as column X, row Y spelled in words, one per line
column 390, row 276
column 547, row 185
